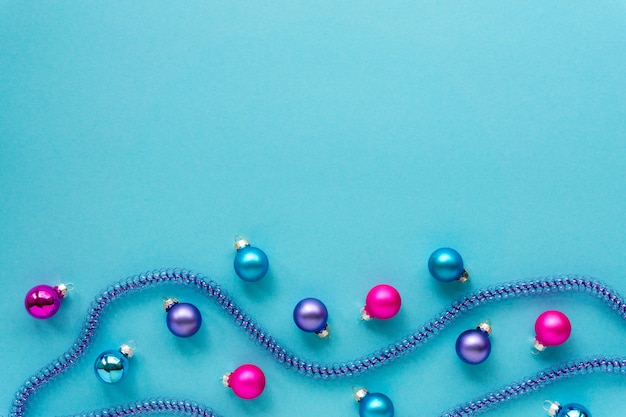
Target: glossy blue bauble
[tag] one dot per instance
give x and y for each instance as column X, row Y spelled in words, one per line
column 446, row 265
column 375, row 404
column 251, row 263
column 473, row 346
column 111, row 366
column 573, row 410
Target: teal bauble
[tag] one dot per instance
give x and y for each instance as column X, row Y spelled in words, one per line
column 111, row 366
column 375, row 404
column 250, row 263
column 573, row 410
column 446, row 265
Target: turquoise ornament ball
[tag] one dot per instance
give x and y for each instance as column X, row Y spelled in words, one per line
column 111, row 366
column 573, row 410
column 375, row 404
column 251, row 263
column 446, row 265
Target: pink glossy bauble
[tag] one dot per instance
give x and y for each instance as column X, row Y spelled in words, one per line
column 552, row 328
column 247, row 381
column 382, row 302
column 42, row 301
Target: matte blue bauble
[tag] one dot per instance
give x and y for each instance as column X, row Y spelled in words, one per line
column 251, row 263
column 375, row 404
column 446, row 265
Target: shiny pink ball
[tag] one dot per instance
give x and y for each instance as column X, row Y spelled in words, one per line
column 383, row 302
column 247, row 381
column 552, row 328
column 42, row 301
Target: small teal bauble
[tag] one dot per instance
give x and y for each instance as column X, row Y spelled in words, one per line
column 111, row 366
column 573, row 410
column 446, row 265
column 251, row 263
column 555, row 409
column 373, row 404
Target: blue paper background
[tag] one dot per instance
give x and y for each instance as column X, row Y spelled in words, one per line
column 348, row 141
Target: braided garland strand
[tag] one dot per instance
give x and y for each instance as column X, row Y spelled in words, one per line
column 479, row 405
column 535, row 382
column 402, row 347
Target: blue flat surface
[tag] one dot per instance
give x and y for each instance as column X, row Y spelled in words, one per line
column 348, row 142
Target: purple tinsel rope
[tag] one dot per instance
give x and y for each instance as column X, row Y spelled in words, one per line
column 476, row 406
column 402, row 347
column 535, row 382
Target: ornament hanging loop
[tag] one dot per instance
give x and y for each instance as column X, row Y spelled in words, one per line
column 552, row 407
column 128, row 348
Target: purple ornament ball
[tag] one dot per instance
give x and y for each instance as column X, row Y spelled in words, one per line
column 310, row 315
column 184, row 319
column 473, row 346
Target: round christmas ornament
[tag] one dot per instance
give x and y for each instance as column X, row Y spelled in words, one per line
column 247, row 381
column 473, row 346
column 555, row 409
column 183, row 319
column 446, row 265
column 111, row 366
column 382, row 302
column 373, row 404
column 44, row 301
column 311, row 315
column 250, row 263
column 552, row 328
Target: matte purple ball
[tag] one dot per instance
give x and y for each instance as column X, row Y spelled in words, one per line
column 473, row 346
column 310, row 315
column 184, row 319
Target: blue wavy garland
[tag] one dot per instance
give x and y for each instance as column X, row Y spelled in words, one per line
column 402, row 347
